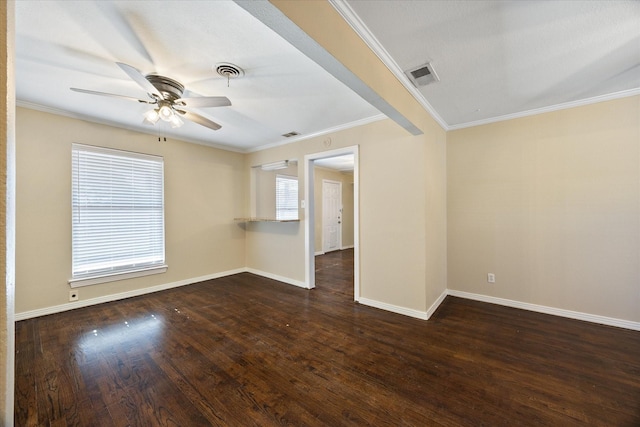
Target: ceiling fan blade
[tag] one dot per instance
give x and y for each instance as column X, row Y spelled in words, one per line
column 113, row 95
column 205, row 101
column 201, row 120
column 139, row 78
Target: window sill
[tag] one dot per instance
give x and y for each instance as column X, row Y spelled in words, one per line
column 94, row 280
column 264, row 220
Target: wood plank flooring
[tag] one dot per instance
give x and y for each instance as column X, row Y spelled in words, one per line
column 249, row 351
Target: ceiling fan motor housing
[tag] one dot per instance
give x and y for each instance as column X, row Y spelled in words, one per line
column 169, row 88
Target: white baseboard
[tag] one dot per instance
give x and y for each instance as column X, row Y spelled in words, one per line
column 423, row 315
column 603, row 320
column 114, row 297
column 436, row 304
column 137, row 292
column 278, row 278
column 319, row 253
column 394, row 308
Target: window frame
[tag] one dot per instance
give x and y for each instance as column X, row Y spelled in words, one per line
column 131, row 270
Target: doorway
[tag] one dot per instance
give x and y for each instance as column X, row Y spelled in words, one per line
column 310, row 216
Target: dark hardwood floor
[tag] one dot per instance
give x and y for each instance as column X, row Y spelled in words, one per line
column 249, row 351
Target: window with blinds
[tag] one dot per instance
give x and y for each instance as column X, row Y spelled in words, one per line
column 117, row 212
column 286, row 197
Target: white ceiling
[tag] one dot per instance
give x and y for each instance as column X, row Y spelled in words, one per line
column 503, row 59
column 343, row 163
column 63, row 44
column 495, row 60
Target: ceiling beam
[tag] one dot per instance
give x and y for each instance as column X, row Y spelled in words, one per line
column 274, row 18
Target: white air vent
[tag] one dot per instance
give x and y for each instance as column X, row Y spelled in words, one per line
column 228, row 70
column 422, row 75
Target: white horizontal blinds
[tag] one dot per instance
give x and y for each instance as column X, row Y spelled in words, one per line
column 286, row 197
column 117, row 211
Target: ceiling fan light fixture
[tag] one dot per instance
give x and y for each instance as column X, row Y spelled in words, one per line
column 175, row 121
column 166, row 113
column 152, row 116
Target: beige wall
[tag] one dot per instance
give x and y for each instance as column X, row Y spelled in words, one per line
column 271, row 247
column 551, row 205
column 205, row 188
column 400, row 264
column 346, row 179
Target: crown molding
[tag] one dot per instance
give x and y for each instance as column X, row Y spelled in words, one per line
column 276, row 20
column 557, row 107
column 349, row 15
column 334, row 129
column 65, row 113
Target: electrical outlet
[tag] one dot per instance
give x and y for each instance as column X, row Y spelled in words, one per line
column 73, row 296
column 491, row 278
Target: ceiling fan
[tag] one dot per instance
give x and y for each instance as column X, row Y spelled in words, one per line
column 166, row 95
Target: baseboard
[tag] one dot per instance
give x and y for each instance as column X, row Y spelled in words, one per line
column 394, row 308
column 115, row 297
column 436, row 304
column 319, row 253
column 276, row 277
column 424, row 315
column 603, row 320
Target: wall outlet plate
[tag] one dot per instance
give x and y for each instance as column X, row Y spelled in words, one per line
column 491, row 278
column 73, row 295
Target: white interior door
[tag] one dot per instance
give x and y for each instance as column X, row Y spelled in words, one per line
column 331, row 215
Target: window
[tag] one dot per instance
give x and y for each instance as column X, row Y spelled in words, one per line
column 117, row 215
column 286, row 197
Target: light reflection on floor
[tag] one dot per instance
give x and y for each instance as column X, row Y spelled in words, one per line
column 144, row 329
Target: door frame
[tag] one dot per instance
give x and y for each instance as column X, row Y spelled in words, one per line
column 309, row 218
column 324, row 235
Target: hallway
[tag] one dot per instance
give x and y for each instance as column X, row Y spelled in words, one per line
column 334, row 273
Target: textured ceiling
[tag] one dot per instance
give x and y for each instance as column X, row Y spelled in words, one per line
column 63, row 44
column 495, row 60
column 500, row 59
